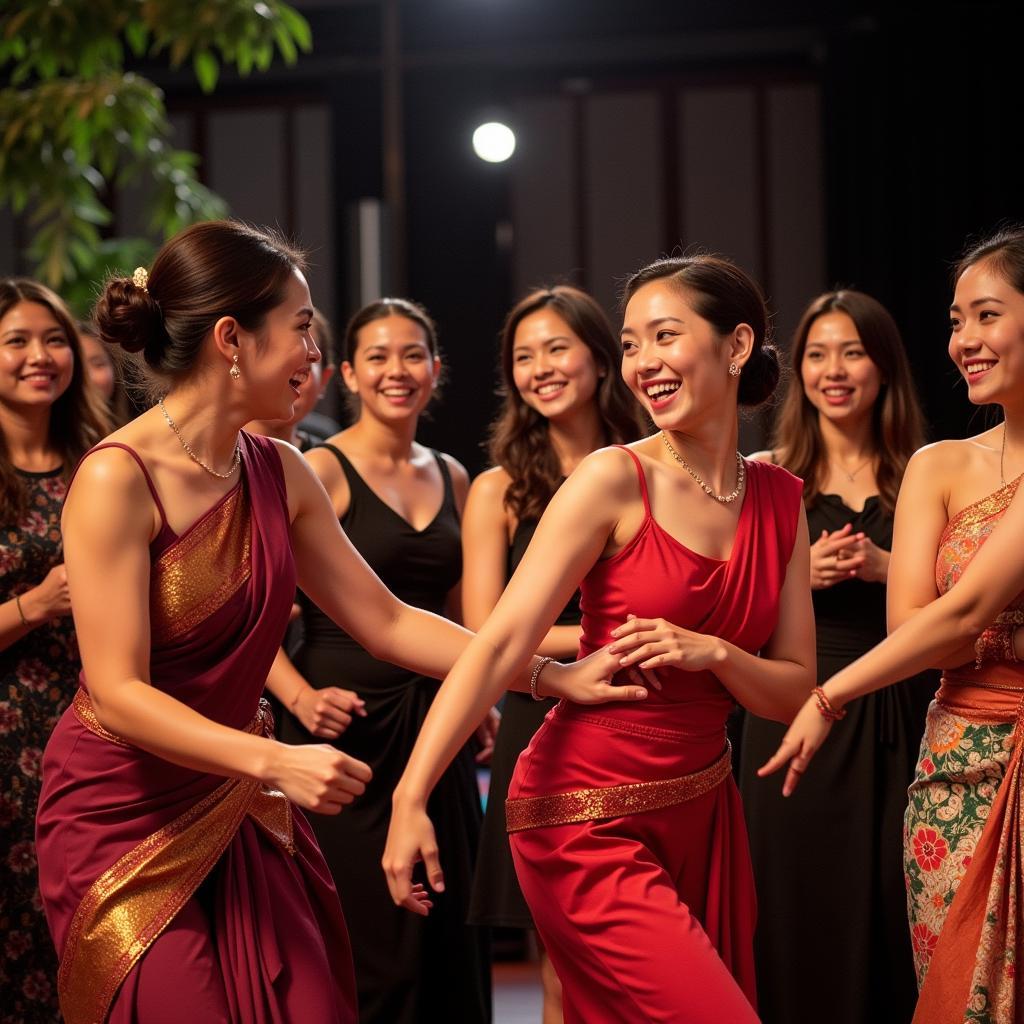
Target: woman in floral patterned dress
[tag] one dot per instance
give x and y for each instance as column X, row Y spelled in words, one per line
column 962, row 832
column 48, row 417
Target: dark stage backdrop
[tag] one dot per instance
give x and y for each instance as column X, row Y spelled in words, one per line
column 818, row 144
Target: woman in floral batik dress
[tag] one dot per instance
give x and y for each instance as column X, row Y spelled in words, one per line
column 48, row 417
column 964, row 822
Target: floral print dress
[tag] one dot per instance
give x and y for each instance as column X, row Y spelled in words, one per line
column 962, row 831
column 38, row 678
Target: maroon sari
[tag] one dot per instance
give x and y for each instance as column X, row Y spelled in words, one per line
column 173, row 893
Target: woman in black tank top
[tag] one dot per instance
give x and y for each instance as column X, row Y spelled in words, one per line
column 564, row 397
column 400, row 505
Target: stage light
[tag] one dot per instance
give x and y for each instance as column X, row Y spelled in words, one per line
column 494, row 142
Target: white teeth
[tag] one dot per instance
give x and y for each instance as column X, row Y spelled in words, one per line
column 657, row 390
column 838, row 392
column 547, row 389
column 396, row 392
column 978, row 367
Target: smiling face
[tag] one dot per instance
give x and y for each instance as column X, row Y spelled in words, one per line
column 277, row 367
column 393, row 371
column 839, row 378
column 987, row 335
column 673, row 360
column 36, row 356
column 552, row 367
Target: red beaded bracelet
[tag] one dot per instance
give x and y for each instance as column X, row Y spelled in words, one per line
column 825, row 706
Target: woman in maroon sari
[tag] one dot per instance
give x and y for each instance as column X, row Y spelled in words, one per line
column 626, row 827
column 178, row 879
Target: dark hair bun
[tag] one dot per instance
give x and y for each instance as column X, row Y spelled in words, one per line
column 760, row 376
column 129, row 316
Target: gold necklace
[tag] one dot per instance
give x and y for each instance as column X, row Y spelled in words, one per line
column 236, row 458
column 725, row 499
column 849, row 476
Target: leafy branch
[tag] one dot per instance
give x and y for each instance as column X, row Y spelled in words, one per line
column 74, row 123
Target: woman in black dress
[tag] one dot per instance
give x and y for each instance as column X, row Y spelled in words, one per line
column 49, row 416
column 828, row 860
column 400, row 505
column 563, row 398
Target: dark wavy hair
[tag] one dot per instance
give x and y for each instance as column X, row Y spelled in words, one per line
column 897, row 426
column 725, row 296
column 519, row 441
column 77, row 418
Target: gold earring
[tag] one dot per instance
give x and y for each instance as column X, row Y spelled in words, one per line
column 235, row 372
column 734, row 370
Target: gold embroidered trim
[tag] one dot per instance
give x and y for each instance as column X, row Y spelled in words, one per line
column 87, row 716
column 614, row 801
column 132, row 902
column 200, row 572
column 977, row 512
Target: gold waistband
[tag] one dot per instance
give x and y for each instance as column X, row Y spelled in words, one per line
column 614, row 801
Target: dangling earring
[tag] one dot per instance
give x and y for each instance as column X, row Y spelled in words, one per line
column 235, row 372
column 734, row 370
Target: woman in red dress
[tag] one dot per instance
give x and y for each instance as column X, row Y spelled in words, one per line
column 178, row 879
column 627, row 830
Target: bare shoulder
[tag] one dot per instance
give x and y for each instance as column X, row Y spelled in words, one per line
column 491, row 486
column 608, row 471
column 763, row 456
column 943, row 460
column 108, row 490
column 325, row 463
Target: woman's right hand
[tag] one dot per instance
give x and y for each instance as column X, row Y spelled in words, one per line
column 50, row 599
column 315, row 776
column 411, row 839
column 327, row 713
column 834, row 557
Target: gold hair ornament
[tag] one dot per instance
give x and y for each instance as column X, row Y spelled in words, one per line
column 141, row 278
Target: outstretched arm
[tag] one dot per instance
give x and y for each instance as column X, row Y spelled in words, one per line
column 570, row 538
column 931, row 636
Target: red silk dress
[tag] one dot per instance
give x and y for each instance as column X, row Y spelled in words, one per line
column 174, row 895
column 626, row 826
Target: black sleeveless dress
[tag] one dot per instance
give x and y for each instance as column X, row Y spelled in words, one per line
column 828, row 861
column 409, row 969
column 497, row 899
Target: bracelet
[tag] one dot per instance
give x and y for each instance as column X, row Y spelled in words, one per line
column 535, row 675
column 21, row 611
column 825, row 706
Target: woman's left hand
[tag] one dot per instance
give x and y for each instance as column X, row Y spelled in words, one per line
column 655, row 643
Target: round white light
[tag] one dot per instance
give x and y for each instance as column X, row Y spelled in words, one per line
column 494, row 142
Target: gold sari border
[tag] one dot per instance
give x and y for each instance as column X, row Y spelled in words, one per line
column 131, row 903
column 202, row 571
column 970, row 516
column 614, row 801
column 86, row 714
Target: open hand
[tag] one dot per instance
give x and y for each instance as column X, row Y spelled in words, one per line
column 591, row 680
column 657, row 643
column 799, row 745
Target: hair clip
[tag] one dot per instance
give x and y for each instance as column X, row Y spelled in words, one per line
column 141, row 278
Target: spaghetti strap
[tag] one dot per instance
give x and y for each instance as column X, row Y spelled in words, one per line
column 145, row 472
column 446, row 477
column 641, row 476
